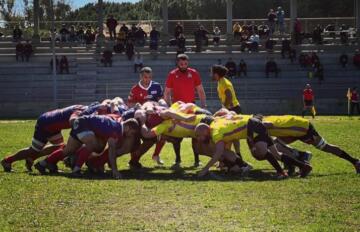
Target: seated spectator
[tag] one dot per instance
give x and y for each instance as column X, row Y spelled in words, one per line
column 244, row 40
column 154, row 39
column 217, row 34
column 129, row 48
column 252, row 28
column 17, row 33
column 122, row 36
column 57, row 64
column 107, row 58
column 80, row 34
column 231, row 66
column 178, row 30
column 124, row 29
column 72, row 34
column 237, row 30
column 64, row 65
column 356, row 59
column 317, row 35
column 138, row 62
column 297, row 31
column 344, row 59
column 201, row 35
column 119, row 47
column 269, row 45
column 111, row 24
column 254, row 42
column 292, row 55
column 28, row 50
column 64, row 33
column 20, row 51
column 285, row 47
column 89, row 36
column 140, row 36
column 181, row 42
column 242, row 68
column 263, row 30
column 271, row 67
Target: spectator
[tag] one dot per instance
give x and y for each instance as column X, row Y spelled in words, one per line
column 237, row 30
column 344, row 34
column 129, row 49
column 280, row 16
column 124, row 29
column 20, row 51
column 131, row 35
column 72, row 34
column 119, row 47
column 319, row 72
column 254, row 42
column 28, row 50
column 138, row 62
column 315, row 60
column 64, row 33
column 308, row 101
column 181, row 42
column 122, row 36
column 217, row 34
column 285, row 47
column 89, row 36
column 17, row 33
column 252, row 28
column 356, row 59
column 107, row 58
column 231, row 66
column 57, row 64
column 354, row 101
column 297, row 31
column 140, row 36
column 264, row 30
column 317, row 35
column 304, row 60
column 179, row 29
column 344, row 59
column 269, row 44
column 271, row 67
column 201, row 36
column 154, row 39
column 225, row 89
column 80, row 34
column 292, row 55
column 242, row 68
column 111, row 24
column 271, row 21
column 64, row 65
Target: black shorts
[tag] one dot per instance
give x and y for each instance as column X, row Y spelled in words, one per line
column 264, row 138
column 236, row 109
column 308, row 103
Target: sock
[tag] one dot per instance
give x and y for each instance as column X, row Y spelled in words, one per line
column 9, row 159
column 347, row 157
column 240, row 162
column 100, row 161
column 271, row 159
column 55, row 157
column 134, row 157
column 82, row 156
column 158, row 148
column 288, row 160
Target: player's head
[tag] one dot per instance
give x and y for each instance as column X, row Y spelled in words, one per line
column 182, row 62
column 146, row 76
column 308, row 86
column 140, row 116
column 218, row 71
column 131, row 127
column 163, row 103
column 202, row 133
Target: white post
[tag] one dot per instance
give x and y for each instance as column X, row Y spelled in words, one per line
column 357, row 16
column 293, row 14
column 229, row 18
column 36, row 8
column 53, row 54
column 165, row 26
column 100, row 37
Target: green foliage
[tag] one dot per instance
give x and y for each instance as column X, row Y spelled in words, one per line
column 158, row 199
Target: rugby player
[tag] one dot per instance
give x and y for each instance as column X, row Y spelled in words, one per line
column 93, row 132
column 47, row 130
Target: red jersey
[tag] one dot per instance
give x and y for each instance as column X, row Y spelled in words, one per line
column 140, row 94
column 308, row 95
column 354, row 96
column 183, row 84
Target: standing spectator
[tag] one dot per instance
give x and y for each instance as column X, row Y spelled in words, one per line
column 231, row 68
column 344, row 34
column 138, row 62
column 64, row 65
column 64, row 33
column 356, row 59
column 20, row 51
column 344, row 59
column 124, row 29
column 285, row 47
column 271, row 67
column 217, row 34
column 308, row 101
column 271, row 21
column 181, row 42
column 111, row 24
column 237, row 30
column 317, row 35
column 28, row 50
column 107, row 58
column 154, row 39
column 264, row 30
column 297, row 31
column 179, row 29
column 80, row 34
column 119, row 47
column 72, row 34
column 140, row 36
column 181, row 85
column 242, row 68
column 129, row 49
column 89, row 36
column 280, row 16
column 354, row 103
column 122, row 36
column 225, row 89
column 56, row 64
column 202, row 35
column 254, row 42
column 17, row 34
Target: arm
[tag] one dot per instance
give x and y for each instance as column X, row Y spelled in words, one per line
column 167, row 95
column 201, row 92
column 219, row 150
column 228, row 98
column 112, row 158
column 147, row 133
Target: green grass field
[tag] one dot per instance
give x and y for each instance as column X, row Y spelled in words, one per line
column 159, row 199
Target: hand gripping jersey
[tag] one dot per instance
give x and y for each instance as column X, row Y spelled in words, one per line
column 140, row 94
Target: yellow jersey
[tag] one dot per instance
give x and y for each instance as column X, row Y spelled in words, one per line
column 228, row 130
column 187, row 108
column 223, row 85
column 178, row 129
column 287, row 126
